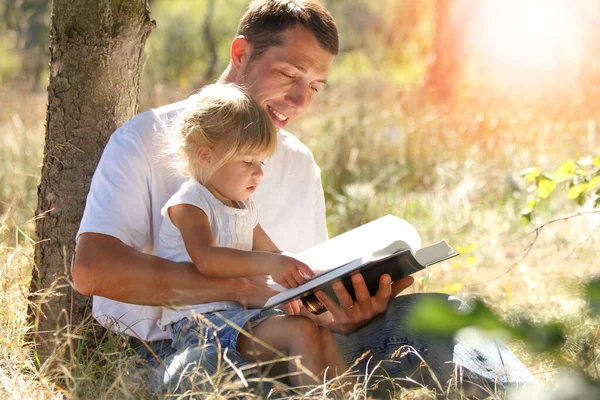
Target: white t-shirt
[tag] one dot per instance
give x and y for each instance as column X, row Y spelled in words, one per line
column 231, row 227
column 134, row 180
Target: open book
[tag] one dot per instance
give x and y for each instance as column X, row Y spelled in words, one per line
column 387, row 245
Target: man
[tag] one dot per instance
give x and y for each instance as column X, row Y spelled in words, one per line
column 282, row 55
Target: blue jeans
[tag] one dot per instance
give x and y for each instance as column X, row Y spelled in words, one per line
column 388, row 349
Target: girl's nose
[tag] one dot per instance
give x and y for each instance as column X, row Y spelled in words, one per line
column 258, row 172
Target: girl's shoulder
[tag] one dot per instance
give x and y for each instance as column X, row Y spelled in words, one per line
column 193, row 193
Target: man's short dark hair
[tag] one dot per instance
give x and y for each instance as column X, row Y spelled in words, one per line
column 265, row 21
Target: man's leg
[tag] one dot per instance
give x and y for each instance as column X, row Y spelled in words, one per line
column 399, row 352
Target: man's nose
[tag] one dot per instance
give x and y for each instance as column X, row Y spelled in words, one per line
column 299, row 97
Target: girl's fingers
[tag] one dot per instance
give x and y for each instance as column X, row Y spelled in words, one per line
column 289, row 278
column 298, row 276
column 305, row 269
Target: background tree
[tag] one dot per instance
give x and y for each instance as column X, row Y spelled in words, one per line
column 96, row 53
column 448, row 53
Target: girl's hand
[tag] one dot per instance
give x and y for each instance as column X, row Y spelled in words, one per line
column 287, row 271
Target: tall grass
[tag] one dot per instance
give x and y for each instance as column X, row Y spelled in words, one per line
column 451, row 171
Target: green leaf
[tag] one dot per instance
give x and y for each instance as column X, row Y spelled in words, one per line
column 576, row 190
column 541, row 338
column 564, row 171
column 545, row 187
column 465, row 249
column 531, row 174
column 527, row 212
column 592, row 294
column 526, row 217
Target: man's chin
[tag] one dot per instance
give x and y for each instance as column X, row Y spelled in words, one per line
column 279, row 124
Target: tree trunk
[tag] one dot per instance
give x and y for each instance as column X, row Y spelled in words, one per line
column 96, row 50
column 210, row 42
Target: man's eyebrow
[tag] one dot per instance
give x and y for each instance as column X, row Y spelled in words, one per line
column 302, row 69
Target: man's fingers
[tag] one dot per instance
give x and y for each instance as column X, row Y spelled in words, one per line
column 342, row 295
column 293, row 308
column 328, row 302
column 400, row 285
column 385, row 287
column 297, row 307
column 360, row 288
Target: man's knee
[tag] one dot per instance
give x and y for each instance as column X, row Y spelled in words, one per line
column 403, row 306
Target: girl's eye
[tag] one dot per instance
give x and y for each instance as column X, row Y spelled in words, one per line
column 262, row 163
column 248, row 163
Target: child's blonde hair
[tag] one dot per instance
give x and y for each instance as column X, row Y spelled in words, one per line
column 224, row 118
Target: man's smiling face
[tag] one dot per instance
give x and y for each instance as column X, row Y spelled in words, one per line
column 284, row 78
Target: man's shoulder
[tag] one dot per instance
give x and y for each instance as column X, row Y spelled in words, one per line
column 152, row 121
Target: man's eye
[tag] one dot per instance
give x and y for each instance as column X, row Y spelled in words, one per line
column 287, row 75
column 314, row 89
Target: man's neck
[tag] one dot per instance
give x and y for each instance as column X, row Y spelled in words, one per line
column 228, row 76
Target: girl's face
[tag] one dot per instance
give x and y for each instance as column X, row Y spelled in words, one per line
column 237, row 179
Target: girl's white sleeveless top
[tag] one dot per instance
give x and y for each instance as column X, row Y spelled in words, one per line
column 231, row 227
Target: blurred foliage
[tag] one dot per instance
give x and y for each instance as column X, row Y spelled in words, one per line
column 437, row 316
column 441, row 318
column 592, row 292
column 178, row 53
column 10, row 62
column 579, row 179
column 24, row 40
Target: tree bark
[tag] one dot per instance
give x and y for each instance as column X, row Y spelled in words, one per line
column 96, row 49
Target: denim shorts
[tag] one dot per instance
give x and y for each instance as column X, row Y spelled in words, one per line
column 219, row 328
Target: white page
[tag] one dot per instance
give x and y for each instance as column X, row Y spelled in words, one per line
column 437, row 252
column 360, row 242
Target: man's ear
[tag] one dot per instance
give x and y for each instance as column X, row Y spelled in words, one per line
column 203, row 153
column 241, row 50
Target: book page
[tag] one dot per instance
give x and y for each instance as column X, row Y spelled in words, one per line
column 434, row 253
column 360, row 242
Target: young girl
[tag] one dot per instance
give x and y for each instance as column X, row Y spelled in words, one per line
column 211, row 221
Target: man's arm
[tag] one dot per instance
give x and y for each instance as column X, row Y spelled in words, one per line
column 105, row 266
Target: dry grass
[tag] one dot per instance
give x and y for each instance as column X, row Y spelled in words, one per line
column 452, row 174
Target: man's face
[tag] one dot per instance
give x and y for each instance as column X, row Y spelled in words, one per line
column 284, row 79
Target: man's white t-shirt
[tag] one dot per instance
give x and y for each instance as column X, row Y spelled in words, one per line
column 134, row 179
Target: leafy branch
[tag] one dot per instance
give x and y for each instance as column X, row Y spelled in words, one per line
column 580, row 179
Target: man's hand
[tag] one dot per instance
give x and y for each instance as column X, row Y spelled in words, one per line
column 349, row 315
column 253, row 291
column 294, row 307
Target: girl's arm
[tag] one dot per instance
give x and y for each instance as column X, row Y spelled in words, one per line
column 227, row 262
column 262, row 241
